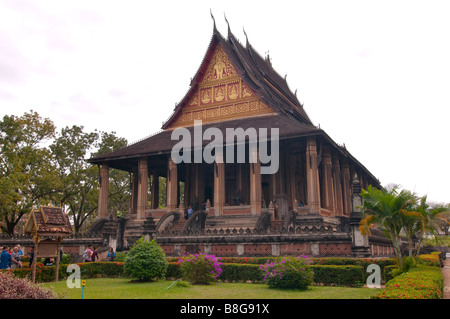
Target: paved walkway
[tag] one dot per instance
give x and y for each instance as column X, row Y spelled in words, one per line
column 446, row 274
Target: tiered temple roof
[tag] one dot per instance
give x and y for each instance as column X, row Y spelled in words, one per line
column 279, row 106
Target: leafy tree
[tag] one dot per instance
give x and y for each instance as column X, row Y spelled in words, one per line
column 38, row 166
column 77, row 180
column 26, row 173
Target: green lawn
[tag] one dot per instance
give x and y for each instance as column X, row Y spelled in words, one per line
column 122, row 288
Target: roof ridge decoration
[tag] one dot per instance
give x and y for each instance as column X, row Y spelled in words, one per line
column 214, row 20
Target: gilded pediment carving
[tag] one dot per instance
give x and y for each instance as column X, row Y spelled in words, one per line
column 221, row 95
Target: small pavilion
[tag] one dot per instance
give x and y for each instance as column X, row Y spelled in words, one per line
column 48, row 226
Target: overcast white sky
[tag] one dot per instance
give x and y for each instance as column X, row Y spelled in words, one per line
column 374, row 74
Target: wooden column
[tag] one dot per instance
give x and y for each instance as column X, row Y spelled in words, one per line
column 328, row 188
column 142, row 199
column 57, row 258
column 239, row 179
column 255, row 185
column 346, row 190
column 187, row 185
column 155, row 191
column 219, row 186
column 134, row 191
column 197, row 188
column 312, row 176
column 292, row 187
column 337, row 186
column 36, row 240
column 172, row 185
column 103, row 193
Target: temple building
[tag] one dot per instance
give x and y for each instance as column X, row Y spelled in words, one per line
column 291, row 192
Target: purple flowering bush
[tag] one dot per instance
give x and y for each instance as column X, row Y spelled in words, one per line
column 21, row 288
column 289, row 273
column 200, row 269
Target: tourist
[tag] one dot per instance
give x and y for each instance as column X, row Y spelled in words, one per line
column 20, row 251
column 111, row 255
column 94, row 254
column 48, row 261
column 15, row 259
column 5, row 258
column 189, row 211
column 87, row 255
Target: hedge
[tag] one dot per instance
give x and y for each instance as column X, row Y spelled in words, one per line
column 332, row 275
column 88, row 270
column 328, row 275
column 422, row 282
column 430, row 260
column 241, row 273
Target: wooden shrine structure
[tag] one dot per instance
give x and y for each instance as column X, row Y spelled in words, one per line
column 235, row 88
column 48, row 226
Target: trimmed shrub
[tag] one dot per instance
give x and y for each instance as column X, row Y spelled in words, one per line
column 145, row 261
column 289, row 273
column 97, row 269
column 12, row 287
column 363, row 262
column 429, row 259
column 344, row 275
column 200, row 269
column 241, row 273
column 43, row 273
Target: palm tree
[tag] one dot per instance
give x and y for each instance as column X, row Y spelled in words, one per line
column 387, row 208
column 413, row 221
column 433, row 219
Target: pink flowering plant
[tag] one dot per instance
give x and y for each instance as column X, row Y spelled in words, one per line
column 200, row 269
column 289, row 273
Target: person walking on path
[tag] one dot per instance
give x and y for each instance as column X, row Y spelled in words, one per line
column 87, row 255
column 94, row 254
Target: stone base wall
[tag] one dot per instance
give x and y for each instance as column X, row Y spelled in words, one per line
column 318, row 245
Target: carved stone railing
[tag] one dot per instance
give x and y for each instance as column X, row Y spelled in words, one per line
column 308, row 230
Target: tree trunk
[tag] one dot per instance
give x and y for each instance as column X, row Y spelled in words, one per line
column 397, row 248
column 410, row 244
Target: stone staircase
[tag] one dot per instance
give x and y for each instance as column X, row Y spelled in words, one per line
column 179, row 225
column 230, row 222
column 134, row 229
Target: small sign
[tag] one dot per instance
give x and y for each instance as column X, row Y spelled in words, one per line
column 48, row 248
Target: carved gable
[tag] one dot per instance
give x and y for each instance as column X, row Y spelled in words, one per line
column 220, row 95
